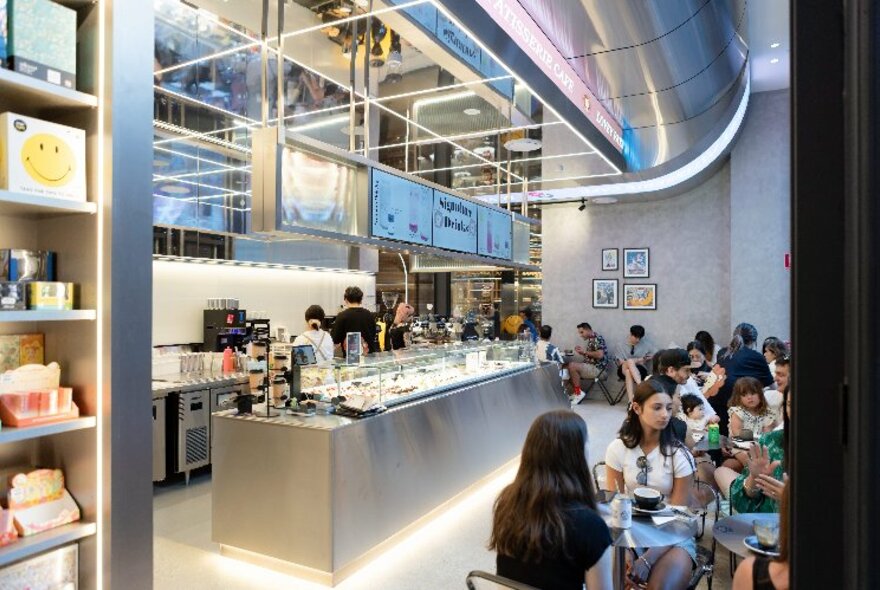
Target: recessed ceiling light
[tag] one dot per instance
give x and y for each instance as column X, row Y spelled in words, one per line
column 472, row 112
column 604, row 200
column 775, row 60
column 774, row 45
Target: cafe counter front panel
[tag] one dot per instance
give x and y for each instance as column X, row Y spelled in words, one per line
column 319, row 497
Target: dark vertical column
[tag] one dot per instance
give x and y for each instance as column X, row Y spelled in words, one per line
column 816, row 452
column 127, row 289
column 443, row 293
column 862, row 458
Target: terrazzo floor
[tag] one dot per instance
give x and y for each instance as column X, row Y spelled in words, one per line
column 437, row 556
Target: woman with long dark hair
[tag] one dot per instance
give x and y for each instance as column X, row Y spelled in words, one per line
column 647, row 454
column 710, row 349
column 739, row 359
column 545, row 529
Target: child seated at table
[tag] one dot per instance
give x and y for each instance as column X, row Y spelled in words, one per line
column 693, row 413
column 748, row 409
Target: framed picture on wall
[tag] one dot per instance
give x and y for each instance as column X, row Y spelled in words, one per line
column 605, row 293
column 642, row 296
column 636, row 263
column 609, row 259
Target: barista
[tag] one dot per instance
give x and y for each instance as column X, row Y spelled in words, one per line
column 320, row 340
column 355, row 318
column 397, row 336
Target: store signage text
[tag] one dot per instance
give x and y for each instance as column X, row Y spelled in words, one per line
column 522, row 29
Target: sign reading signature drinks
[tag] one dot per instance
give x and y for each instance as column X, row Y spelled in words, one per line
column 455, row 223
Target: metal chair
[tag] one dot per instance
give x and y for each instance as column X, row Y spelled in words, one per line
column 600, row 381
column 498, row 581
column 705, row 557
column 596, row 474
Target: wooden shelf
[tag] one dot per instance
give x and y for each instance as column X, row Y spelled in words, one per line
column 20, row 94
column 26, row 547
column 38, row 206
column 10, row 434
column 36, row 315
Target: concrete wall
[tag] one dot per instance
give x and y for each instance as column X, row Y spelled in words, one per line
column 716, row 251
column 760, row 217
column 688, row 237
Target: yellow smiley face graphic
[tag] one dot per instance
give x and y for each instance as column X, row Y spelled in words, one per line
column 48, row 159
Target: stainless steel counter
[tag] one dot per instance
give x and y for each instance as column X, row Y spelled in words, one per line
column 345, row 487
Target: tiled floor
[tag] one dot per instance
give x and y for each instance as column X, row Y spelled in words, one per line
column 439, row 556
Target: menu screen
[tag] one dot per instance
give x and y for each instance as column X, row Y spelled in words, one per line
column 401, row 208
column 494, row 235
column 455, row 223
column 315, row 192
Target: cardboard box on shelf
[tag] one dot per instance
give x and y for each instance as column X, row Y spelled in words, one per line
column 42, row 41
column 39, row 501
column 17, row 350
column 42, row 158
column 50, row 296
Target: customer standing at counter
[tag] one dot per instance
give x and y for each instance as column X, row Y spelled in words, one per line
column 320, row 340
column 355, row 318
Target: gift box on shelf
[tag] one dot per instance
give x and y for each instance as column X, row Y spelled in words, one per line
column 42, row 40
column 30, row 396
column 42, row 158
column 17, row 350
column 47, row 295
column 40, row 502
column 8, row 533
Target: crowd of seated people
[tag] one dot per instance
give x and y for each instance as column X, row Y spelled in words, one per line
column 551, row 534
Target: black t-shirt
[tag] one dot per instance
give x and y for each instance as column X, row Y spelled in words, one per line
column 745, row 363
column 395, row 337
column 355, row 319
column 587, row 538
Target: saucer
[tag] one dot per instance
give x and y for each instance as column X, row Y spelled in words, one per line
column 752, row 543
column 660, row 508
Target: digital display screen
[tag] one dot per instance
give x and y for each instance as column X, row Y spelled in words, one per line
column 455, row 223
column 304, row 355
column 494, row 233
column 315, row 192
column 401, row 209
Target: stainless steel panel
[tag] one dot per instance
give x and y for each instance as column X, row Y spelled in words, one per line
column 159, row 439
column 322, row 497
column 193, row 430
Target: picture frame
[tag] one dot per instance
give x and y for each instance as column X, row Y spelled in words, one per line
column 641, row 296
column 609, row 259
column 636, row 263
column 605, row 294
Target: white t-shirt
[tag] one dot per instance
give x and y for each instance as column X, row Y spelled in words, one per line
column 320, row 340
column 662, row 470
column 690, row 387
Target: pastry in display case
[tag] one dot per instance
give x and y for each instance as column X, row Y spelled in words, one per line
column 392, row 378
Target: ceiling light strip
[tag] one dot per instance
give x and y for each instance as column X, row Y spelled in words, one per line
column 204, row 173
column 444, row 88
column 158, row 179
column 528, row 88
column 268, row 265
column 191, row 100
column 553, row 157
column 205, row 204
column 190, row 156
column 496, row 165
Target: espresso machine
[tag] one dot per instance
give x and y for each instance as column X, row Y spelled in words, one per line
column 224, row 327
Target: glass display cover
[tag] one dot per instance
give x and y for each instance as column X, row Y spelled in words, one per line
column 401, row 208
column 494, row 235
column 455, row 223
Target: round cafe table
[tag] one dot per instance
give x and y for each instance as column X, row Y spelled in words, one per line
column 643, row 534
column 731, row 531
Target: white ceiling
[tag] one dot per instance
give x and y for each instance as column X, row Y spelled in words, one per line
column 769, row 24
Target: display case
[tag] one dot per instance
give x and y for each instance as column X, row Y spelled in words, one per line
column 393, row 378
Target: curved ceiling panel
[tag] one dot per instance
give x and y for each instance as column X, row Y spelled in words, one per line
column 666, row 69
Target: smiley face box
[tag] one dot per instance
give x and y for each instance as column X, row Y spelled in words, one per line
column 42, row 158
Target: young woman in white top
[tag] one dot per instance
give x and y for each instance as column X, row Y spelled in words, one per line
column 320, row 340
column 647, row 454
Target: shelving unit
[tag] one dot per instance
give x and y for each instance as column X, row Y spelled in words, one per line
column 21, row 93
column 37, row 207
column 37, row 315
column 29, row 546
column 70, row 228
column 10, row 434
